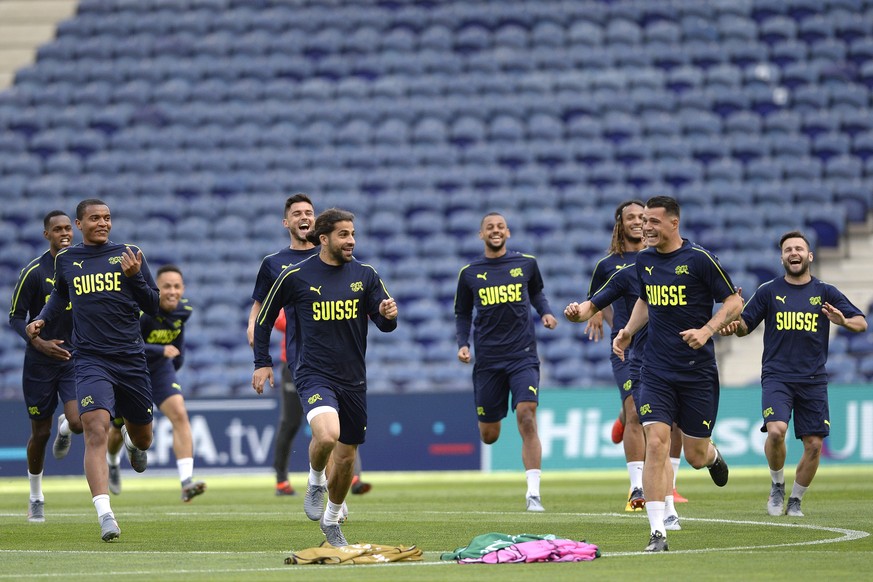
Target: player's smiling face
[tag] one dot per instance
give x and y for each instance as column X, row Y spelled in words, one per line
column 95, row 224
column 494, row 232
column 172, row 287
column 299, row 220
column 796, row 257
column 59, row 233
column 341, row 242
column 632, row 222
column 659, row 228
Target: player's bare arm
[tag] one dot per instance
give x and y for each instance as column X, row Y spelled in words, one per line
column 253, row 316
column 856, row 324
column 728, row 312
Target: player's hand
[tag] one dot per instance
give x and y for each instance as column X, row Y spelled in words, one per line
column 171, row 351
column 261, row 377
column 572, row 313
column 696, row 338
column 388, row 309
column 464, row 354
column 594, row 329
column 549, row 321
column 620, row 343
column 51, row 348
column 34, row 327
column 131, row 263
column 833, row 314
column 730, row 329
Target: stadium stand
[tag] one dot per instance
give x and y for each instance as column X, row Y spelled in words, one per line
column 195, row 118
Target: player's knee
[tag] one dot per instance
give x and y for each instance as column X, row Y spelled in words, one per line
column 489, row 436
column 698, row 459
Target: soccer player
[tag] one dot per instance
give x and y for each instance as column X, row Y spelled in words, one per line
column 108, row 284
column 164, row 337
column 796, row 309
column 622, row 290
column 48, row 366
column 502, row 286
column 334, row 296
column 299, row 217
column 678, row 284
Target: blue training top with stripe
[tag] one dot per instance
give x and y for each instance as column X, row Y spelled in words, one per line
column 622, row 289
column 34, row 286
column 106, row 303
column 604, row 270
column 680, row 288
column 502, row 290
column 271, row 266
column 164, row 329
column 332, row 305
column 796, row 331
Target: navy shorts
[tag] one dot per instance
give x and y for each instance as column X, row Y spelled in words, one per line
column 44, row 383
column 164, row 383
column 689, row 399
column 118, row 384
column 808, row 401
column 350, row 405
column 627, row 377
column 493, row 382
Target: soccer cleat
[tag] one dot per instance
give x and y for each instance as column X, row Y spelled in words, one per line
column 313, row 501
column 109, row 529
column 36, row 512
column 671, row 523
column 617, row 431
column 718, row 470
column 657, row 543
column 677, row 498
column 115, row 479
column 636, row 501
column 534, row 503
column 334, row 534
column 776, row 501
column 139, row 459
column 359, row 487
column 62, row 443
column 794, row 507
column 284, row 488
column 191, row 489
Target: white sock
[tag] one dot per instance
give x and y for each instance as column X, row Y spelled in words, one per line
column 777, row 477
column 317, row 477
column 101, row 504
column 127, row 442
column 533, row 482
column 113, row 459
column 332, row 512
column 798, row 490
column 655, row 511
column 675, row 462
column 635, row 472
column 669, row 507
column 186, row 468
column 35, row 486
column 64, row 426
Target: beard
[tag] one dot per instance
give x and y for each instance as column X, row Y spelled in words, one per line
column 796, row 270
column 336, row 253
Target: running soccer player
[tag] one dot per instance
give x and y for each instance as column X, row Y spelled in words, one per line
column 502, row 286
column 796, row 309
column 164, row 337
column 334, row 297
column 108, row 284
column 48, row 366
column 299, row 216
column 679, row 281
column 622, row 290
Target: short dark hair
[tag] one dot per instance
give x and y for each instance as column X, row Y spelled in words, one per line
column 295, row 198
column 325, row 223
column 168, row 269
column 50, row 215
column 80, row 208
column 481, row 222
column 669, row 204
column 794, row 234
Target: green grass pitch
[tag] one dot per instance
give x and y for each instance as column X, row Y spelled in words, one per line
column 239, row 530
